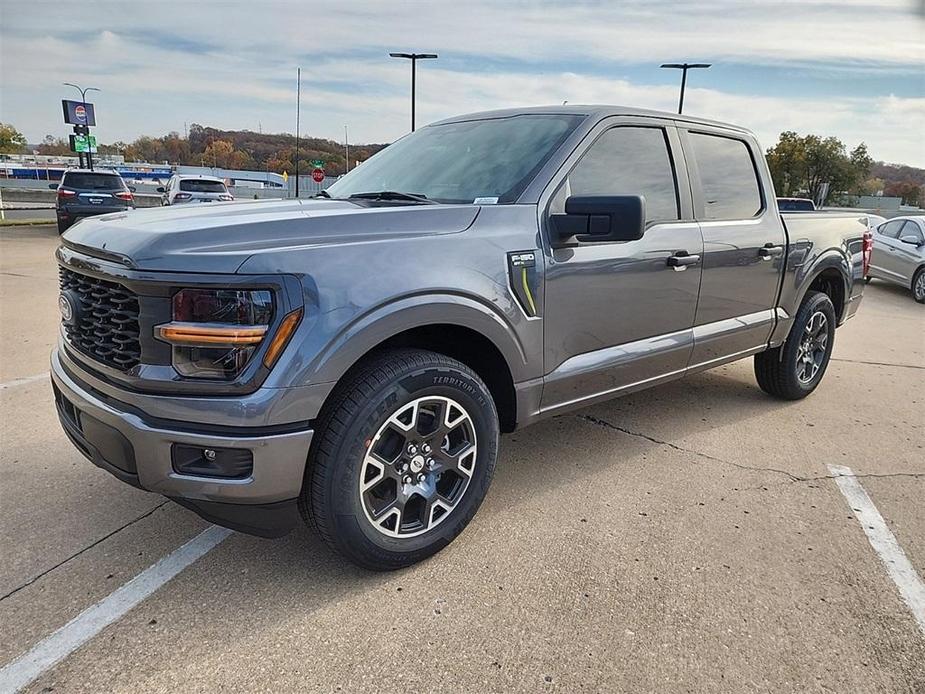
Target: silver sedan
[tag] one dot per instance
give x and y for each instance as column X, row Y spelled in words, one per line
column 899, row 254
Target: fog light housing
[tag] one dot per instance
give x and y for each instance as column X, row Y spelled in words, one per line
column 227, row 463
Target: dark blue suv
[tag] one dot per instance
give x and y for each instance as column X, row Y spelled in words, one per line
column 84, row 193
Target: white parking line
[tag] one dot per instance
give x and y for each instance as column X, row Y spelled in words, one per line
column 93, row 620
column 910, row 584
column 23, row 381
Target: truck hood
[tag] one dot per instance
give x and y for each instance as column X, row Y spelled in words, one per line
column 221, row 237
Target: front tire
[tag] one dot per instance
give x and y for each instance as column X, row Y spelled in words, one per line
column 918, row 285
column 402, row 458
column 794, row 370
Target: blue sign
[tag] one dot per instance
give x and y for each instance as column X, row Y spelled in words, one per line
column 78, row 113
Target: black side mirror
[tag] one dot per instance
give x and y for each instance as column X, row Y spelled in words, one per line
column 53, row 186
column 161, row 190
column 598, row 218
column 132, row 188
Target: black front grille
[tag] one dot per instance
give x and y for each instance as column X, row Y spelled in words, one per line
column 106, row 321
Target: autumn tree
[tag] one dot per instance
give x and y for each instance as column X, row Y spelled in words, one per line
column 54, row 146
column 910, row 192
column 11, row 140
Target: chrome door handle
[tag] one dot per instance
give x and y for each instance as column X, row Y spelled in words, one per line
column 770, row 251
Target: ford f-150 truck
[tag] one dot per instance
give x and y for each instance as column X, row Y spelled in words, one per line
column 351, row 360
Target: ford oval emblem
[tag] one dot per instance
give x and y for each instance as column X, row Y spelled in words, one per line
column 66, row 308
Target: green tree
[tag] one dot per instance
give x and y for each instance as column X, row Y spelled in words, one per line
column 787, row 161
column 11, row 140
column 817, row 167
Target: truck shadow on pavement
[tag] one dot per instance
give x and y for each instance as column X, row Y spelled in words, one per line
column 532, row 462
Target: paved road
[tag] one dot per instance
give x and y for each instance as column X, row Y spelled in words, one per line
column 688, row 538
column 32, row 213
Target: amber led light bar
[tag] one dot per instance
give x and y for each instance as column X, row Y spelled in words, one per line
column 211, row 334
column 281, row 338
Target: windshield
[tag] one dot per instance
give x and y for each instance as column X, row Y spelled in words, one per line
column 199, row 186
column 486, row 161
column 92, row 181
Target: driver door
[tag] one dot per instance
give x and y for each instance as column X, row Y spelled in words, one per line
column 617, row 315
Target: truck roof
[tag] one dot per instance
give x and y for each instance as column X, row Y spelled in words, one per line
column 597, row 110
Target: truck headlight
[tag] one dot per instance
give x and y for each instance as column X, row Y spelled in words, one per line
column 215, row 332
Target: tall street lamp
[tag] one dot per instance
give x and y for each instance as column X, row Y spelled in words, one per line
column 684, row 67
column 83, row 100
column 414, row 58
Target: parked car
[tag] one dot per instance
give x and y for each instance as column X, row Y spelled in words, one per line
column 899, row 254
column 795, row 205
column 84, row 193
column 351, row 360
column 873, row 221
column 185, row 189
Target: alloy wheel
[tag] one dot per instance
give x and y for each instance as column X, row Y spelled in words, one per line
column 919, row 289
column 813, row 345
column 417, row 467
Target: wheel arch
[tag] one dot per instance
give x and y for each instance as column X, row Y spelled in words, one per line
column 458, row 327
column 829, row 275
column 834, row 284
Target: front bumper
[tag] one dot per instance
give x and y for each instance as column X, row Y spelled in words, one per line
column 138, row 452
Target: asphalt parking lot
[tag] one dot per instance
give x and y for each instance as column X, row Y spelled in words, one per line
column 687, row 538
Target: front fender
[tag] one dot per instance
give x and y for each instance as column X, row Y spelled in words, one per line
column 374, row 327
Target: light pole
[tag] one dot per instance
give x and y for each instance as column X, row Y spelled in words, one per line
column 414, row 58
column 83, row 100
column 298, row 106
column 684, row 67
column 346, row 152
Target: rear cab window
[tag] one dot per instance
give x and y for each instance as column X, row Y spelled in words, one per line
column 85, row 180
column 199, row 186
column 728, row 179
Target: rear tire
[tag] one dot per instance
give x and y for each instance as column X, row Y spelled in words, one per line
column 918, row 285
column 62, row 227
column 402, row 458
column 794, row 370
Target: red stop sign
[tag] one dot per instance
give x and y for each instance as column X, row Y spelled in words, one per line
column 318, row 175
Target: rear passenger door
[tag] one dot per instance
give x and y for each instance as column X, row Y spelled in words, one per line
column 743, row 244
column 617, row 316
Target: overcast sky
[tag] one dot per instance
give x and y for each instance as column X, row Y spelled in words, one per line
column 850, row 68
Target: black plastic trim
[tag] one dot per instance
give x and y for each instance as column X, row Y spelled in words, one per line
column 264, row 520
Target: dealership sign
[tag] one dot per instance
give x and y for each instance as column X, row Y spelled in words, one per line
column 83, row 143
column 78, row 113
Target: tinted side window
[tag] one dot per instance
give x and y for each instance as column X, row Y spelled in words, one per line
column 891, row 229
column 627, row 161
column 727, row 177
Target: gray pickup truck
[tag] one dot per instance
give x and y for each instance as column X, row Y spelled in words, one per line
column 351, row 360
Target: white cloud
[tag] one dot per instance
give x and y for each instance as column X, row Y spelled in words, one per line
column 232, row 64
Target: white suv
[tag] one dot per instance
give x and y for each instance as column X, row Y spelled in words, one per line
column 183, row 189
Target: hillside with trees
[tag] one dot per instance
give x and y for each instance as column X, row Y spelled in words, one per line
column 204, row 146
column 800, row 164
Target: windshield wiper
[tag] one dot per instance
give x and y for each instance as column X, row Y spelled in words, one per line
column 394, row 195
